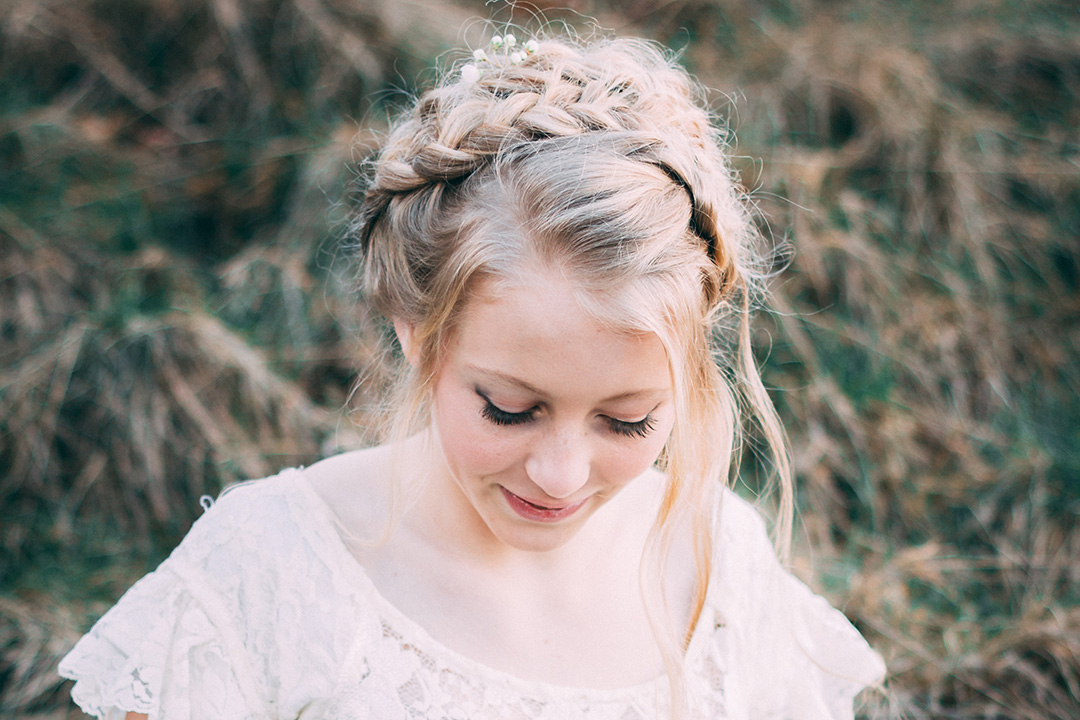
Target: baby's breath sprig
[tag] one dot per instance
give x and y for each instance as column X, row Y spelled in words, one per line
column 501, row 46
column 470, row 73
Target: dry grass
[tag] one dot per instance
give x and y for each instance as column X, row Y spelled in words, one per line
column 174, row 313
column 924, row 348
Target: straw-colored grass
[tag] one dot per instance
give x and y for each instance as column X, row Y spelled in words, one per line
column 175, row 310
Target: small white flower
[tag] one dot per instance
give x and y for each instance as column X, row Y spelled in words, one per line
column 479, row 55
column 516, row 57
column 496, row 42
column 531, row 46
column 470, row 73
column 510, row 41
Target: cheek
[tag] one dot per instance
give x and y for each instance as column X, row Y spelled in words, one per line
column 627, row 461
column 467, row 439
column 632, row 463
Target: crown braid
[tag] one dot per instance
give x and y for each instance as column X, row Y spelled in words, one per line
column 462, row 127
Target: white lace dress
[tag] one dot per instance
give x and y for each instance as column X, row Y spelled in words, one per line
column 262, row 612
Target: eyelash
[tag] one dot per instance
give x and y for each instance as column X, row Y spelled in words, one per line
column 496, row 415
column 640, row 429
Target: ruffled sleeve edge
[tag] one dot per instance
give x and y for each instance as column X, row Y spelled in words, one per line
column 833, row 645
column 110, row 677
column 795, row 636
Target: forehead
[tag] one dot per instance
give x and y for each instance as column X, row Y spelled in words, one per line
column 609, row 297
column 540, row 331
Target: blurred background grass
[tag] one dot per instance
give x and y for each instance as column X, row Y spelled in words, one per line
column 176, row 312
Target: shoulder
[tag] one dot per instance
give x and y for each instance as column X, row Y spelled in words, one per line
column 353, row 480
column 365, row 489
column 740, row 536
column 739, row 518
column 308, row 505
column 264, row 542
column 252, row 517
column 267, row 558
column 746, row 570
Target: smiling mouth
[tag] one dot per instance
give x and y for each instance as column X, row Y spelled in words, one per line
column 539, row 513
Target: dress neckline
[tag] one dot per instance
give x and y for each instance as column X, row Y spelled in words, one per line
column 424, row 642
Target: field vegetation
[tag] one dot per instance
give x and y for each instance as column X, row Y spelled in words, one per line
column 177, row 309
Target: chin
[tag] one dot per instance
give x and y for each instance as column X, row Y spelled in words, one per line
column 525, row 536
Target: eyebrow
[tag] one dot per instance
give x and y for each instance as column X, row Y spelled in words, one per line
column 521, row 384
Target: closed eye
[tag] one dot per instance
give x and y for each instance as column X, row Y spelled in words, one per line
column 640, row 428
column 495, row 414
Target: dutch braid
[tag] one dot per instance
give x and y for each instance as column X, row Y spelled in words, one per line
column 460, row 128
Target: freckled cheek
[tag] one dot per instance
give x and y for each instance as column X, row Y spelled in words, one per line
column 641, row 455
column 471, row 444
column 624, row 461
column 624, row 465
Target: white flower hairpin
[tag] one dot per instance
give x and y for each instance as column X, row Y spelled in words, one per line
column 470, row 73
column 502, row 46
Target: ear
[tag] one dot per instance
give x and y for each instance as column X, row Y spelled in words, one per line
column 406, row 338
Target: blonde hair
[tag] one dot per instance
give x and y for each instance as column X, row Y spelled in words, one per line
column 599, row 161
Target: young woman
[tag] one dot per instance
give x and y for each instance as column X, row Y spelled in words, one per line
column 555, row 236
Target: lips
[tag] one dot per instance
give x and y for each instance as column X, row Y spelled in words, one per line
column 536, row 512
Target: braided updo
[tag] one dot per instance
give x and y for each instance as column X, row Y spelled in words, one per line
column 622, row 97
column 596, row 161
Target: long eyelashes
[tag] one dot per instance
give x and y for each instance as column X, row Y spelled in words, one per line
column 640, row 429
column 499, row 416
column 496, row 415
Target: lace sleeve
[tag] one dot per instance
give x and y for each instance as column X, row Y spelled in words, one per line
column 160, row 652
column 791, row 654
column 247, row 618
column 831, row 658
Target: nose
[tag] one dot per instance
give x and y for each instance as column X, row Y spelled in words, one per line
column 560, row 463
